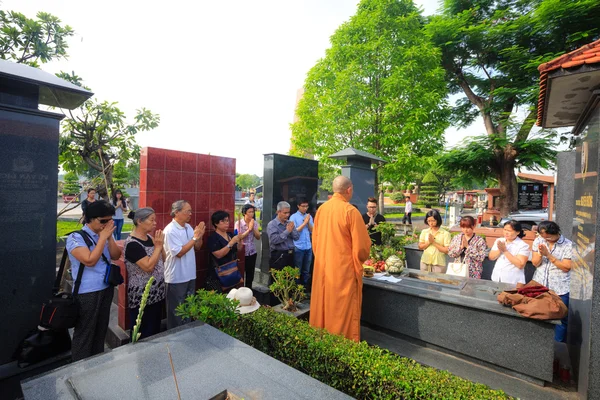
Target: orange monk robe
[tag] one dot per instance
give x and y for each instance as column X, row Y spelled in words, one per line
column 341, row 244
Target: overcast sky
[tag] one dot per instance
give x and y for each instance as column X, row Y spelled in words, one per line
column 222, row 75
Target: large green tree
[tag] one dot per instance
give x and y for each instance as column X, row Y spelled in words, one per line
column 98, row 136
column 247, row 181
column 379, row 88
column 28, row 40
column 491, row 50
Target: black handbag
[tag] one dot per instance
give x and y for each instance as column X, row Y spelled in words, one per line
column 112, row 276
column 39, row 345
column 61, row 311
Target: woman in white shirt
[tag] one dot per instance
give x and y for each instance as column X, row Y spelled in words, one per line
column 511, row 254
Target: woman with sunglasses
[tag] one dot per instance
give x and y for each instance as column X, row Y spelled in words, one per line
column 94, row 296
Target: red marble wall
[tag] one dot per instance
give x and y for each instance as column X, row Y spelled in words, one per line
column 207, row 182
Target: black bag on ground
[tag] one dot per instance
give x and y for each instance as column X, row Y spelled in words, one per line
column 40, row 345
column 61, row 311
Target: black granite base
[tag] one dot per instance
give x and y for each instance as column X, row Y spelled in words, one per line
column 467, row 323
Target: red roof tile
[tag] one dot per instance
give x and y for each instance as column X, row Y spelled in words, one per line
column 588, row 54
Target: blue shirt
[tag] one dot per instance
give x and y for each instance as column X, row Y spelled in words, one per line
column 92, row 279
column 279, row 237
column 303, row 243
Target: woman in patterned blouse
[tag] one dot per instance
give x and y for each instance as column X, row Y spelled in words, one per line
column 552, row 254
column 247, row 228
column 469, row 247
column 144, row 257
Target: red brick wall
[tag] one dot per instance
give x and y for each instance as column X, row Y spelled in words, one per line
column 207, row 182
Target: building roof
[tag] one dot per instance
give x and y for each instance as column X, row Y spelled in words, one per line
column 54, row 91
column 352, row 152
column 536, row 178
column 564, row 90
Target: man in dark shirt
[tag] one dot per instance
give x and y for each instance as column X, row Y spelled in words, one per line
column 372, row 218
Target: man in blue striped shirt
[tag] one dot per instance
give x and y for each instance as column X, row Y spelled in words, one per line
column 302, row 246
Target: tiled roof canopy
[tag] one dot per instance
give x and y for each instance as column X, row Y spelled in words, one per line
column 570, row 62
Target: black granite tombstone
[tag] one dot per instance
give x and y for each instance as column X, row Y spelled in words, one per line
column 363, row 177
column 28, row 178
column 583, row 330
column 288, row 179
column 530, row 196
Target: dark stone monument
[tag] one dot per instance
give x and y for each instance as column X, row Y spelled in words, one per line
column 584, row 306
column 565, row 192
column 363, row 177
column 286, row 178
column 569, row 96
column 28, row 178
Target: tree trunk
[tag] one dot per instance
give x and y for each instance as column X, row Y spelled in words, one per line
column 507, row 181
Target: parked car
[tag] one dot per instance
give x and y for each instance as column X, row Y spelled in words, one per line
column 527, row 218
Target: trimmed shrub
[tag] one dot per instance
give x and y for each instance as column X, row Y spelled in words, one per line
column 357, row 369
column 429, row 190
column 71, row 186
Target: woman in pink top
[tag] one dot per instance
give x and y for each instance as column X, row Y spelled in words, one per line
column 247, row 229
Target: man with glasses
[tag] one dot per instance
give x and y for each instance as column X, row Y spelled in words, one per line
column 180, row 265
column 282, row 234
column 372, row 218
column 303, row 247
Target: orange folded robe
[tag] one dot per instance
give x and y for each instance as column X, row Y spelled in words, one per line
column 341, row 245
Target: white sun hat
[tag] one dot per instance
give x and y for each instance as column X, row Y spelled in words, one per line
column 247, row 301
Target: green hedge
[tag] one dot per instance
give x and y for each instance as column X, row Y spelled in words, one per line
column 357, row 369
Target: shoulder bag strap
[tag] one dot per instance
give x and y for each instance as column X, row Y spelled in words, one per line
column 88, row 241
column 61, row 271
column 61, row 268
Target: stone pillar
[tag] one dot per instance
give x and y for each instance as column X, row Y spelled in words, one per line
column 28, row 194
column 363, row 177
column 363, row 180
column 565, row 192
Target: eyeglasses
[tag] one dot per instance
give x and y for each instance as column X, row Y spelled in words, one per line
column 303, row 206
column 371, row 206
column 186, row 211
column 224, row 220
column 104, row 221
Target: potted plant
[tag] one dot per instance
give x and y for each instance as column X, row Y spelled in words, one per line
column 288, row 291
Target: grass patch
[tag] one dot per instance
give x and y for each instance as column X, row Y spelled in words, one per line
column 401, row 215
column 65, row 227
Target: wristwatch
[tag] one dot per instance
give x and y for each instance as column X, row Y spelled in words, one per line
column 195, row 239
column 229, row 246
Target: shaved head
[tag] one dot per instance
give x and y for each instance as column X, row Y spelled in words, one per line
column 341, row 184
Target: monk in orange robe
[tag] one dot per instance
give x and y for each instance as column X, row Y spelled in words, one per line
column 341, row 244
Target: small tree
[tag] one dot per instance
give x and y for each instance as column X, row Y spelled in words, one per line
column 97, row 136
column 429, row 190
column 285, row 288
column 27, row 40
column 71, row 186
